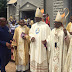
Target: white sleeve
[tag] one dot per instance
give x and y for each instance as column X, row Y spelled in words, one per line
column 49, row 39
column 48, row 31
column 31, row 32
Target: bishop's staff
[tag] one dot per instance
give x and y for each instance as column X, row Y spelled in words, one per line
column 64, row 17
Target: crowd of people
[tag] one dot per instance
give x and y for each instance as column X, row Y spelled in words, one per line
column 36, row 47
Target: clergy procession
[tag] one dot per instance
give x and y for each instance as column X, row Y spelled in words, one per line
column 37, row 48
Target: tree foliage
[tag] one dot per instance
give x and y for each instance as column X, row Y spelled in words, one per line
column 3, row 8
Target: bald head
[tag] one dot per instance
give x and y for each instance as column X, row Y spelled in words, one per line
column 2, row 21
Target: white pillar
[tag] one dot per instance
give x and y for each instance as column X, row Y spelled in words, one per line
column 20, row 14
column 17, row 13
column 8, row 12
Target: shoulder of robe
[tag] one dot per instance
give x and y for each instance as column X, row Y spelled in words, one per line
column 43, row 23
column 17, row 28
column 27, row 28
column 53, row 29
column 34, row 25
column 69, row 23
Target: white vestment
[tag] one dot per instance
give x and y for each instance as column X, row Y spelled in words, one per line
column 71, row 28
column 58, row 50
column 68, row 63
column 21, row 52
column 38, row 53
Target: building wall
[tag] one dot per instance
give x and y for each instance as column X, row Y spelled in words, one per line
column 38, row 3
column 49, row 10
column 70, row 7
column 20, row 3
column 11, row 10
column 51, row 7
column 67, row 5
column 17, row 12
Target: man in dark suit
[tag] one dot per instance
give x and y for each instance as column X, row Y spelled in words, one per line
column 4, row 44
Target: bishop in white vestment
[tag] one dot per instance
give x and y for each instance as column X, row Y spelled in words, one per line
column 68, row 62
column 69, row 26
column 38, row 52
column 58, row 45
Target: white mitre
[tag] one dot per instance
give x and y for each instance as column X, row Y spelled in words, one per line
column 58, row 17
column 38, row 13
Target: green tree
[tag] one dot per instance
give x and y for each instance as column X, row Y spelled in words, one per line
column 3, row 8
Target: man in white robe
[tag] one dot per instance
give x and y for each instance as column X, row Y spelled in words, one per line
column 69, row 26
column 58, row 45
column 38, row 52
column 68, row 62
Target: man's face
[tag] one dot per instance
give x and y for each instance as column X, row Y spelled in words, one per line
column 47, row 15
column 38, row 19
column 13, row 22
column 21, row 22
column 25, row 17
column 3, row 21
column 57, row 24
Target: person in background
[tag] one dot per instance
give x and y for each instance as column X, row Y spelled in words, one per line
column 21, row 46
column 68, row 62
column 44, row 17
column 28, row 23
column 17, row 24
column 31, row 23
column 48, row 20
column 5, row 45
column 14, row 19
column 12, row 28
column 26, row 20
column 58, row 44
column 69, row 26
column 11, row 19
